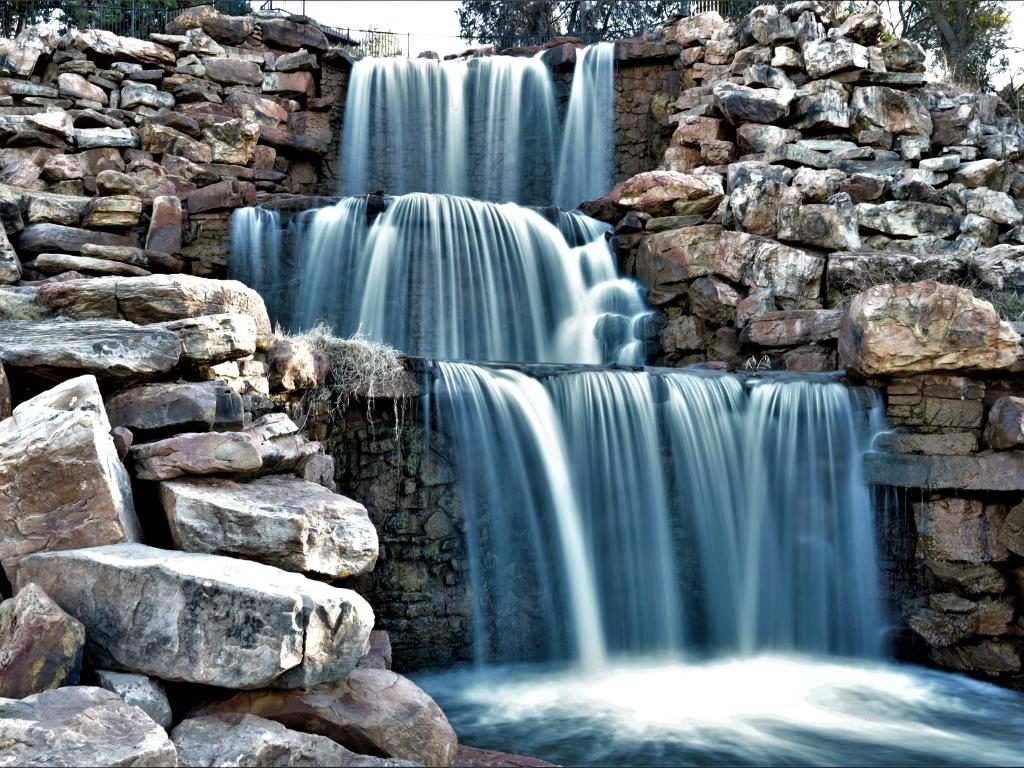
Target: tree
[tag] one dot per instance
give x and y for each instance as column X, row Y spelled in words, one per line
column 967, row 37
column 528, row 22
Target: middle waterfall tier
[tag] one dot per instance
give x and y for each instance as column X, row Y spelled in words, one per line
column 446, row 277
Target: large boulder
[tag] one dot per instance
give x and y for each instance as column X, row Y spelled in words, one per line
column 150, row 410
column 50, row 238
column 197, row 453
column 662, row 193
column 204, row 618
column 372, row 712
column 60, row 472
column 232, row 141
column 243, row 740
column 140, row 691
column 792, row 327
column 113, row 350
column 741, row 104
column 105, row 44
column 923, row 327
column 823, row 57
column 212, row 339
column 40, row 645
column 157, row 298
column 878, row 108
column 793, row 275
column 909, row 218
column 279, row 520
column 81, row 725
column 667, row 261
column 292, row 35
column 292, row 364
column 961, row 530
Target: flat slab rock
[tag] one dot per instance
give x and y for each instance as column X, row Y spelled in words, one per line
column 197, row 453
column 152, row 410
column 204, row 618
column 372, row 711
column 80, row 725
column 114, row 350
column 59, row 469
column 280, row 520
column 244, row 740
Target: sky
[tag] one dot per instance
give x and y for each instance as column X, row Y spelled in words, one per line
column 432, row 25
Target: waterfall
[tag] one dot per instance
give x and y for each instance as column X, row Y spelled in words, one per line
column 484, row 127
column 449, row 277
column 585, row 168
column 681, row 512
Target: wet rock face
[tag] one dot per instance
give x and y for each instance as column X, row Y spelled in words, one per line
column 81, row 725
column 208, row 619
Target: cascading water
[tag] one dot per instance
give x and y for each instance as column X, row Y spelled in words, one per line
column 450, row 277
column 486, row 127
column 585, row 162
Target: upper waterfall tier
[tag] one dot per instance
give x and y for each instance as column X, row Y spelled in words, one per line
column 487, row 128
column 446, row 277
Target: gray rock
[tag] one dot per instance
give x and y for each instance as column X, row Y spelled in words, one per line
column 833, row 225
column 59, row 468
column 278, row 520
column 823, row 57
column 81, row 725
column 888, row 109
column 242, row 740
column 212, row 339
column 371, row 710
column 740, row 104
column 10, row 266
column 95, row 138
column 793, row 275
column 910, row 219
column 204, row 618
column 197, row 453
column 1005, row 423
column 58, row 263
column 792, row 327
column 140, row 691
column 998, row 206
column 114, row 350
column 40, row 645
column 152, row 409
column 982, row 472
column 144, row 95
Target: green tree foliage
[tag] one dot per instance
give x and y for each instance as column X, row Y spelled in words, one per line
column 967, row 37
column 523, row 22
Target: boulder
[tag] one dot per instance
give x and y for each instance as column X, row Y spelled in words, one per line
column 1005, row 423
column 59, row 263
column 292, row 85
column 850, row 272
column 925, row 326
column 230, row 30
column 58, row 462
column 662, row 193
column 876, row 107
column 991, row 656
column 161, row 139
column 910, row 219
column 140, row 257
column 233, row 71
column 793, row 275
column 17, row 59
column 154, row 409
column 825, row 56
column 941, row 628
column 229, row 193
column 140, row 691
column 278, row 520
column 81, row 725
column 695, row 28
column 212, row 339
column 190, row 18
column 55, row 238
column 165, row 225
column 758, row 137
column 196, row 453
column 713, row 300
column 998, row 206
column 10, row 265
column 372, row 711
column 1000, row 471
column 666, row 261
column 378, row 651
column 157, row 298
column 792, row 327
column 1012, row 534
column 292, row 35
column 963, row 530
column 113, row 350
column 76, row 87
column 832, row 225
column 144, row 95
column 40, row 645
column 105, row 44
column 102, row 138
column 232, row 141
column 292, row 365
column 741, row 104
column 113, row 212
column 204, row 618
column 301, row 60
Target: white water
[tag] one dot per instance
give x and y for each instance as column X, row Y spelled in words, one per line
column 486, row 127
column 585, row 169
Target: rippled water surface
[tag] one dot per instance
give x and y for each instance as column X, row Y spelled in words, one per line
column 766, row 710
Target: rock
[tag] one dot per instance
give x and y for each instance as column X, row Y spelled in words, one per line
column 947, row 443
column 17, row 59
column 292, row 365
column 157, row 298
column 58, row 460
column 976, row 173
column 233, row 141
column 140, row 691
column 228, row 193
column 661, row 193
column 48, row 238
column 81, row 725
column 692, row 129
column 665, row 261
column 998, row 206
column 10, row 265
column 963, row 530
column 57, row 122
column 190, row 18
column 824, row 110
column 757, row 204
column 242, row 740
column 104, row 44
column 983, row 472
column 683, row 334
column 144, row 95
column 196, row 453
column 212, row 339
column 865, row 27
column 40, row 645
column 823, row 57
column 72, row 86
column 165, row 225
column 51, row 210
column 301, row 526
column 154, row 409
column 160, row 139
column 372, row 711
column 63, row 168
column 910, row 219
column 116, row 211
column 817, row 186
column 233, row 71
column 792, row 327
column 230, row 30
column 713, row 300
column 992, row 656
column 833, row 225
column 114, row 350
column 98, row 138
column 741, row 104
column 757, row 137
column 301, row 60
column 140, row 257
column 940, row 629
column 1012, row 534
column 879, row 108
column 378, row 651
column 1005, row 423
column 791, row 274
column 58, row 263
column 850, row 272
column 902, row 55
column 922, row 327
column 295, row 85
column 208, row 619
column 292, row 35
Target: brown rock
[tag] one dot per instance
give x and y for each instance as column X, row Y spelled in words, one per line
column 212, row 339
column 199, row 453
column 292, row 365
column 72, row 86
column 992, row 656
column 923, row 327
column 792, row 327
column 114, row 212
column 289, row 84
column 230, row 30
column 1012, row 533
column 160, row 140
column 666, row 261
column 962, row 530
column 229, row 193
column 233, row 141
column 1005, row 423
column 165, row 225
column 233, row 71
column 17, row 59
column 60, row 263
column 106, row 44
column 158, row 409
column 661, row 193
column 292, row 35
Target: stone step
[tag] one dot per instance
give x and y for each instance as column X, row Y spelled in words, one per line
column 280, row 520
column 203, row 618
